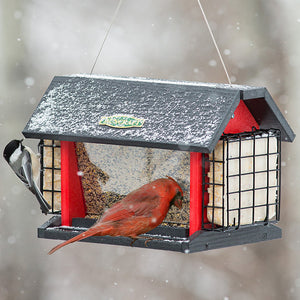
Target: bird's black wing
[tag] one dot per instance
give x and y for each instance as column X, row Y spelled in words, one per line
column 27, row 171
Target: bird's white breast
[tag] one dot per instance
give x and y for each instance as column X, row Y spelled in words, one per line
column 16, row 155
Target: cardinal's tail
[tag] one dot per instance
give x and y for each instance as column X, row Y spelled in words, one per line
column 96, row 230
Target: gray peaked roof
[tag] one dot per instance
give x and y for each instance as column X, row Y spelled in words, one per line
column 178, row 115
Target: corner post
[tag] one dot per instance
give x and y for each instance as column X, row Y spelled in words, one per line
column 195, row 192
column 72, row 200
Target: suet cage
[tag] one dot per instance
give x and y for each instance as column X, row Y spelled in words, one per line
column 102, row 137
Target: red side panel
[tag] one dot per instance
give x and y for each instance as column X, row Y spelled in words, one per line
column 72, row 200
column 242, row 121
column 195, row 191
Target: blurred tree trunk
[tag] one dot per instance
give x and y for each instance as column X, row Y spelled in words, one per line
column 12, row 48
column 19, row 271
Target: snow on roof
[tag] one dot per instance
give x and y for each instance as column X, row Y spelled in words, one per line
column 177, row 115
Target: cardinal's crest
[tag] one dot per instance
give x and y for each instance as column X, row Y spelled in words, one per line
column 122, row 121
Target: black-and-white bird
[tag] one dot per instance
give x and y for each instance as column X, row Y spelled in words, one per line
column 25, row 163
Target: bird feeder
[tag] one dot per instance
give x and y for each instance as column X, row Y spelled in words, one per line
column 103, row 137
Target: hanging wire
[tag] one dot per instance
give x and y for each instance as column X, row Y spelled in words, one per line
column 214, row 41
column 205, row 19
column 106, row 35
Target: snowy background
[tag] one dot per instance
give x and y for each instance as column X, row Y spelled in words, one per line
column 158, row 39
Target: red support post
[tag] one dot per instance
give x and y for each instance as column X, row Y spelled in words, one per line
column 72, row 200
column 195, row 192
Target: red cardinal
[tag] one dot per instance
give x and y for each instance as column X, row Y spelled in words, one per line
column 139, row 212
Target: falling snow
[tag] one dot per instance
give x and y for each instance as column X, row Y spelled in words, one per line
column 212, row 63
column 29, row 81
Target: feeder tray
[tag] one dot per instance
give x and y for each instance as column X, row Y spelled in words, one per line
column 102, row 137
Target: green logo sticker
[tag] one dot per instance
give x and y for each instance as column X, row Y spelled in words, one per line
column 122, row 121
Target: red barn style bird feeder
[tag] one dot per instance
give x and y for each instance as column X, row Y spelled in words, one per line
column 103, row 137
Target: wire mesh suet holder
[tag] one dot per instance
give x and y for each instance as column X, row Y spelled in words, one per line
column 243, row 182
column 50, row 173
